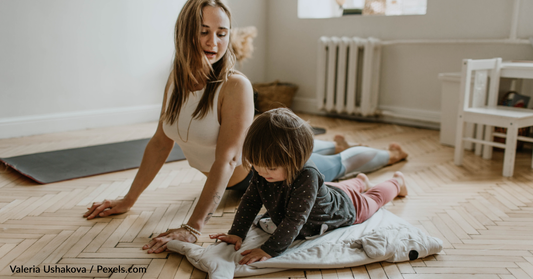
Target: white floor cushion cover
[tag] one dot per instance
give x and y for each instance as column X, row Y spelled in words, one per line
column 383, row 237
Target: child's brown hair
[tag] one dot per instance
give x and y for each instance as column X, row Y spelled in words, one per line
column 279, row 138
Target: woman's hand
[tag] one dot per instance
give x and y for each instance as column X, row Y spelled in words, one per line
column 231, row 239
column 254, row 255
column 106, row 208
column 159, row 244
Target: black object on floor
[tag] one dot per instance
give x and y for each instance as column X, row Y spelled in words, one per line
column 319, row 131
column 54, row 166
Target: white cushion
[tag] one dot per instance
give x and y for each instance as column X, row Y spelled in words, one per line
column 383, row 237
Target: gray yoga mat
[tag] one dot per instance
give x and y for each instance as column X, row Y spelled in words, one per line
column 318, row 131
column 60, row 165
column 54, row 166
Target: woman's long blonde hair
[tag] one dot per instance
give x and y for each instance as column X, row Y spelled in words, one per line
column 191, row 67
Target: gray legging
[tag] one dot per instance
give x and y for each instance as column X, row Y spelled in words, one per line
column 333, row 166
column 357, row 158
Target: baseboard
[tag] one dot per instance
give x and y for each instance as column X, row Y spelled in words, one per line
column 389, row 114
column 409, row 114
column 72, row 121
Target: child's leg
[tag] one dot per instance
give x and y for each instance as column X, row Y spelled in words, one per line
column 368, row 203
column 355, row 184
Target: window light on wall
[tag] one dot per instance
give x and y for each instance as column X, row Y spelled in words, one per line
column 338, row 8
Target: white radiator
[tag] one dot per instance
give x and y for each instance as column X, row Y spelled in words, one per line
column 348, row 75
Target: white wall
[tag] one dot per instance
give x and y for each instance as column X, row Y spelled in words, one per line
column 409, row 85
column 252, row 13
column 69, row 65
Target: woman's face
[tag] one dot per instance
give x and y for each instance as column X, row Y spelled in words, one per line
column 214, row 37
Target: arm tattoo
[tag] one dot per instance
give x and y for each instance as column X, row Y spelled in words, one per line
column 216, row 201
column 217, row 198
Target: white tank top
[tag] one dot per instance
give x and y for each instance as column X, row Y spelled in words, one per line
column 196, row 137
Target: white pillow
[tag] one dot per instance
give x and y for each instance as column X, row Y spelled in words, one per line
column 383, row 237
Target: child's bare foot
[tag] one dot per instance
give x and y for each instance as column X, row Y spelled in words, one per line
column 365, row 179
column 398, row 176
column 341, row 144
column 396, row 153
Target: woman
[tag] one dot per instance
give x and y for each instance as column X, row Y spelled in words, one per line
column 202, row 83
column 207, row 109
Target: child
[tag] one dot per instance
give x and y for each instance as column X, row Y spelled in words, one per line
column 278, row 146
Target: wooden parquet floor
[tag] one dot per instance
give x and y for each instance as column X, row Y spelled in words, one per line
column 484, row 220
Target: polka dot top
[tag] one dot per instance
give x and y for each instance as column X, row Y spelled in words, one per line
column 298, row 210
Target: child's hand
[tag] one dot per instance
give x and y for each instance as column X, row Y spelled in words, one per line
column 232, row 239
column 254, row 255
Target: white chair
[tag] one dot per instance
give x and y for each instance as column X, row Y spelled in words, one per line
column 478, row 105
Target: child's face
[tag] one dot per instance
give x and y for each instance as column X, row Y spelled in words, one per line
column 272, row 174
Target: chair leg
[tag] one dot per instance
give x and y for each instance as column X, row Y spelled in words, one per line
column 479, row 136
column 468, row 132
column 459, row 143
column 487, row 149
column 510, row 151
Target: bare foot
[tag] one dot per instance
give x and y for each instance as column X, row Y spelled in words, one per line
column 365, row 179
column 341, row 144
column 398, row 176
column 396, row 153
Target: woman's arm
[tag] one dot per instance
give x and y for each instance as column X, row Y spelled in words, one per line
column 236, row 116
column 236, row 109
column 155, row 155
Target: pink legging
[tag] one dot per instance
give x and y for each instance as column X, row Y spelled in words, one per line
column 366, row 204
